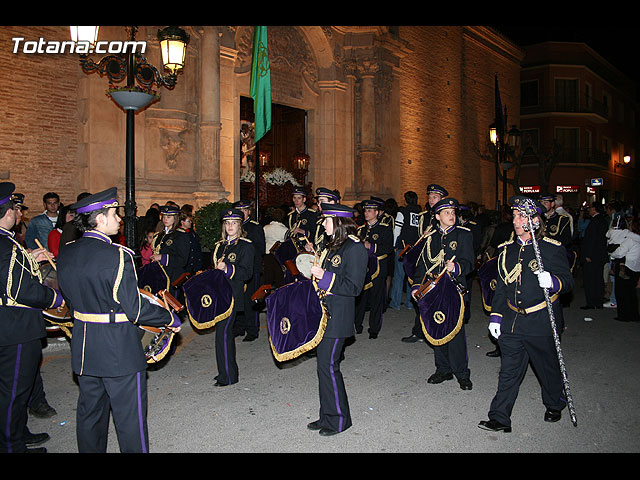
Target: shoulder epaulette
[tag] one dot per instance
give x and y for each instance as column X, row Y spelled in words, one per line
column 253, row 221
column 126, row 249
column 551, row 240
column 180, row 229
column 506, row 243
column 290, row 213
column 463, row 228
column 246, row 239
column 354, row 238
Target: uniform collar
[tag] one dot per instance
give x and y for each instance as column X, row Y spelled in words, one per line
column 520, row 242
column 304, row 209
column 446, row 230
column 8, row 233
column 232, row 240
column 97, row 235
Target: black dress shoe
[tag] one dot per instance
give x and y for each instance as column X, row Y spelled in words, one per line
column 494, row 353
column 465, row 384
column 36, row 438
column 373, row 335
column 552, row 415
column 494, row 426
column 218, row 384
column 314, row 425
column 412, row 339
column 440, row 377
column 327, row 432
column 249, row 338
column 44, row 410
column 359, row 330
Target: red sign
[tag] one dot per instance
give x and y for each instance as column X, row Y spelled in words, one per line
column 567, row 188
column 530, row 189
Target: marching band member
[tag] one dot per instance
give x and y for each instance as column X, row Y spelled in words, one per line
column 98, row 280
column 340, row 274
column 435, row 193
column 444, row 242
column 301, row 220
column 249, row 321
column 171, row 246
column 520, row 319
column 234, row 256
column 23, row 297
column 377, row 237
column 330, row 197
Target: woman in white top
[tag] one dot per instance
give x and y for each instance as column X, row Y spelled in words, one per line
column 627, row 270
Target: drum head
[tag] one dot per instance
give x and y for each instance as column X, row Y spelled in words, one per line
column 304, row 262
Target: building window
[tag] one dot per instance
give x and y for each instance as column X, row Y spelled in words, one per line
column 568, row 140
column 529, row 93
column 566, row 95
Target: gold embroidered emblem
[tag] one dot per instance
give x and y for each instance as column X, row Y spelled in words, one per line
column 493, row 283
column 453, row 245
column 232, row 257
column 553, row 229
column 533, row 265
column 285, row 325
column 168, row 243
column 375, row 236
column 206, row 301
column 147, row 288
column 439, row 317
column 336, row 260
column 303, row 221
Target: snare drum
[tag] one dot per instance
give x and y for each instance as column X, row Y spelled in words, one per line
column 156, row 341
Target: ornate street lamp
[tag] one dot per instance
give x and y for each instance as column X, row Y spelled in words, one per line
column 138, row 92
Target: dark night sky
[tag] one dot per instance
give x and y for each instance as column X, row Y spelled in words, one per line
column 619, row 45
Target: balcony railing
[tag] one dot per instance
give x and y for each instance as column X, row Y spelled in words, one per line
column 573, row 155
column 584, row 105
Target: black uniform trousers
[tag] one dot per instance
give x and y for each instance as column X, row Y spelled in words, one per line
column 593, row 283
column 517, row 351
column 248, row 320
column 226, row 350
column 374, row 298
column 127, row 397
column 452, row 357
column 19, row 368
column 334, row 404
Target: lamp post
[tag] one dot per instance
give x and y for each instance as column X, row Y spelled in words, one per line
column 504, row 148
column 137, row 93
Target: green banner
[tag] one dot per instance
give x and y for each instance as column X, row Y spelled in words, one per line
column 261, row 83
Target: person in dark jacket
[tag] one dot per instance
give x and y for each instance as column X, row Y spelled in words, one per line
column 594, row 256
column 234, row 255
column 98, row 281
column 22, row 299
column 340, row 277
column 520, row 320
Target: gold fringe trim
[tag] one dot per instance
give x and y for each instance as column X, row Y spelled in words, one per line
column 454, row 332
column 210, row 323
column 305, row 347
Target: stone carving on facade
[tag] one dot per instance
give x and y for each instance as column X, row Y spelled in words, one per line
column 173, row 144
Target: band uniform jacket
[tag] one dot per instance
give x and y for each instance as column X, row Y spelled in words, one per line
column 98, row 281
column 23, row 297
column 238, row 255
column 380, row 236
column 306, row 220
column 255, row 233
column 442, row 245
column 519, row 304
column 343, row 280
column 175, row 249
column 558, row 227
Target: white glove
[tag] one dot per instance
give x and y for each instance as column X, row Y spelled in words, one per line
column 544, row 280
column 494, row 329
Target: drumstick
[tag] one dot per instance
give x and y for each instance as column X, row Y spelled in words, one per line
column 46, row 255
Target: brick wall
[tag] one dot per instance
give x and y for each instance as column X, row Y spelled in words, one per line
column 38, row 106
column 446, row 107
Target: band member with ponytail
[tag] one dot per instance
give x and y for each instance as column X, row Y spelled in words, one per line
column 340, row 275
column 520, row 319
column 446, row 241
column 98, row 280
column 234, row 256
